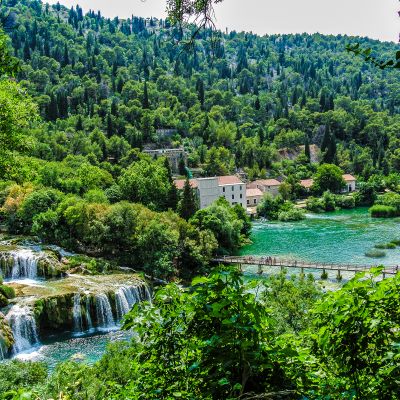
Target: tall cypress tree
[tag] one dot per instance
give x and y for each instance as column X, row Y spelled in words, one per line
column 145, row 103
column 188, row 203
column 307, row 149
column 172, row 199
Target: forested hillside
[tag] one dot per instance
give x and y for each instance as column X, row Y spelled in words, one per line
column 107, row 86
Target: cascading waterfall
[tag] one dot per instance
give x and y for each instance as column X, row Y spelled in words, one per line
column 122, row 302
column 25, row 264
column 2, row 349
column 77, row 314
column 126, row 297
column 23, row 325
column 104, row 313
column 89, row 322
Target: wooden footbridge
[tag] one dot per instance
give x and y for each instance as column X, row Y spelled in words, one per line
column 282, row 263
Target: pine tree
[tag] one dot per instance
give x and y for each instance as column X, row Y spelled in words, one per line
column 307, row 149
column 188, row 203
column 110, row 128
column 145, row 102
column 172, row 198
column 79, row 123
column 200, row 91
column 52, row 109
column 182, row 166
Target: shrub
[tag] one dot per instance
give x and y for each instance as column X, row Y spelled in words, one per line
column 385, row 246
column 346, row 202
column 381, row 211
column 375, row 254
column 315, row 205
column 295, row 214
column 18, row 374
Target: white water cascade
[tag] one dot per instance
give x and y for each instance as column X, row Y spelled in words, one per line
column 89, row 322
column 23, row 325
column 25, row 264
column 77, row 314
column 127, row 296
column 2, row 349
column 104, row 313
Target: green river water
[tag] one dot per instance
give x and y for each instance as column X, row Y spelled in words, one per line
column 340, row 237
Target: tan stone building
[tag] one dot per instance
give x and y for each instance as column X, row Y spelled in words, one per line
column 270, row 186
column 173, row 155
column 211, row 189
column 254, row 196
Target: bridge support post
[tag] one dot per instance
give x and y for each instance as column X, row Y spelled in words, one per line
column 260, row 271
column 384, row 274
column 339, row 276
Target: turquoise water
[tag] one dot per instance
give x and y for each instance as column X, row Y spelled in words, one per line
column 340, row 237
column 88, row 349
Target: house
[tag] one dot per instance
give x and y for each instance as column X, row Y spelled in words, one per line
column 253, row 196
column 173, row 155
column 211, row 189
column 307, row 183
column 270, row 186
column 350, row 181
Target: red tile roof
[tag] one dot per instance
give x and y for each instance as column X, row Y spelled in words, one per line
column 349, row 178
column 180, row 183
column 307, row 183
column 266, row 182
column 253, row 192
column 228, row 180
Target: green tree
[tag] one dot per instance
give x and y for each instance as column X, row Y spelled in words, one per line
column 328, row 177
column 188, row 204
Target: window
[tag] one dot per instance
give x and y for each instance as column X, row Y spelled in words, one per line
column 241, row 188
column 241, row 196
column 248, row 201
column 233, row 189
column 223, row 189
column 233, row 197
column 255, row 201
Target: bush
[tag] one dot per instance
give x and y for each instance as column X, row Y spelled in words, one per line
column 17, row 374
column 375, row 254
column 315, row 205
column 346, row 202
column 385, row 246
column 381, row 211
column 295, row 214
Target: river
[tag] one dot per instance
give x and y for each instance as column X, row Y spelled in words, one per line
column 340, row 237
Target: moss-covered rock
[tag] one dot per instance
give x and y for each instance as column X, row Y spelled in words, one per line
column 7, row 291
column 6, row 336
column 3, row 301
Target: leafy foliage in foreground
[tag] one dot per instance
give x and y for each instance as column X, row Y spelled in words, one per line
column 222, row 338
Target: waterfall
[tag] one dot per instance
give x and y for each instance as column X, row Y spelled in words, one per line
column 89, row 322
column 77, row 314
column 24, row 328
column 25, row 264
column 147, row 294
column 2, row 349
column 104, row 314
column 121, row 301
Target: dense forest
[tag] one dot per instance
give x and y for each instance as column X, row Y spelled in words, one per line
column 81, row 96
column 105, row 87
